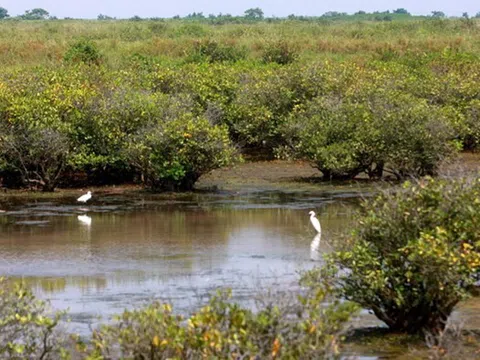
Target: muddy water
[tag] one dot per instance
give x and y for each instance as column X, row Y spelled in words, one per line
column 122, row 251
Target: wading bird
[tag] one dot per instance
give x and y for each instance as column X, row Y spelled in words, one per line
column 84, row 198
column 315, row 222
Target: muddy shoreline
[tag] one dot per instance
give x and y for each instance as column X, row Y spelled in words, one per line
column 262, row 175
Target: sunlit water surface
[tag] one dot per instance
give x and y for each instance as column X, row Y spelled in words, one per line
column 122, row 251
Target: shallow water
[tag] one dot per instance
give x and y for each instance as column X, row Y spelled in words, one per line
column 122, row 251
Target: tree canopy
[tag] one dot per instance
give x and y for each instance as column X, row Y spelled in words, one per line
column 36, row 14
column 401, row 11
column 3, row 13
column 438, row 14
column 254, row 13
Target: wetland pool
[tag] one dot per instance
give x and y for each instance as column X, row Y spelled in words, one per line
column 124, row 250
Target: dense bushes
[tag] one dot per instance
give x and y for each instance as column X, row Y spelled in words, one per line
column 300, row 326
column 279, row 52
column 385, row 132
column 400, row 115
column 81, row 119
column 415, row 254
column 173, row 154
column 83, row 51
column 304, row 329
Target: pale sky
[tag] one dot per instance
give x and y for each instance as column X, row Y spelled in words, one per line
column 281, row 8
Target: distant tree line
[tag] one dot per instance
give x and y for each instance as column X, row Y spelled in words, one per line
column 252, row 14
column 33, row 14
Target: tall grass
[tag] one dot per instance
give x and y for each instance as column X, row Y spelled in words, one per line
column 30, row 43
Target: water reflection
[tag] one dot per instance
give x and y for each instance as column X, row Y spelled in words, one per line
column 315, row 253
column 85, row 219
column 120, row 256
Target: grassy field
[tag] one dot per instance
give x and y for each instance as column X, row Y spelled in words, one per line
column 30, row 43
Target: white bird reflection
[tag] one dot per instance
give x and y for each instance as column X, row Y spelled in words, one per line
column 315, row 253
column 85, row 219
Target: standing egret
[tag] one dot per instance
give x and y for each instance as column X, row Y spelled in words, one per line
column 84, row 198
column 315, row 222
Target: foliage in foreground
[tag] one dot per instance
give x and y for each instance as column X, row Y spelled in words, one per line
column 415, row 254
column 27, row 329
column 305, row 329
column 301, row 326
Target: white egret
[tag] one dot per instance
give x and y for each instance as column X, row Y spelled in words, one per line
column 85, row 219
column 315, row 222
column 84, row 198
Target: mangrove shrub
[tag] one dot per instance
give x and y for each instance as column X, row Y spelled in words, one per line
column 415, row 253
column 303, row 329
column 374, row 133
column 209, row 50
column 37, row 154
column 27, row 329
column 83, row 51
column 302, row 325
column 172, row 154
column 280, row 52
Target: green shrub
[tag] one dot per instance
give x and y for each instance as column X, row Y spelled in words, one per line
column 374, row 133
column 83, row 51
column 172, row 154
column 104, row 123
column 38, row 154
column 303, row 328
column 262, row 102
column 27, row 329
column 326, row 133
column 412, row 138
column 201, row 83
column 212, row 51
column 415, row 253
column 472, row 123
column 280, row 52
